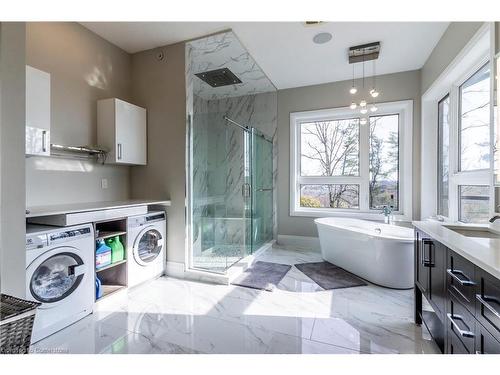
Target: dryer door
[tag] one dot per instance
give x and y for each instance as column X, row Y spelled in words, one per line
column 148, row 246
column 55, row 275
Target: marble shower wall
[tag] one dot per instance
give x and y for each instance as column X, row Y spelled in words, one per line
column 217, row 147
column 258, row 111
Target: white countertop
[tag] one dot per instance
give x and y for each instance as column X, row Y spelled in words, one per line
column 483, row 252
column 60, row 209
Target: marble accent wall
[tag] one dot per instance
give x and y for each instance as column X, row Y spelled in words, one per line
column 219, row 164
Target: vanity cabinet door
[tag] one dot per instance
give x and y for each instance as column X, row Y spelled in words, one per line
column 488, row 301
column 461, row 323
column 422, row 262
column 460, row 279
column 486, row 343
column 454, row 345
column 437, row 268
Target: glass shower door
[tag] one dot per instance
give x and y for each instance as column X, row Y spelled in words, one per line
column 221, row 193
column 262, row 190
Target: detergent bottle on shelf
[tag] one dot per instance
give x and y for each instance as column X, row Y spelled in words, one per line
column 102, row 254
column 98, row 288
column 117, row 249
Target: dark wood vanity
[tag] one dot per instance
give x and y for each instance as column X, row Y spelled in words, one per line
column 464, row 312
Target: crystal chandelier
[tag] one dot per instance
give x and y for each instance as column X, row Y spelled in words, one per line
column 361, row 54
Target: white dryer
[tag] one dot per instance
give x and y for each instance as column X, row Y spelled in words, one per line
column 146, row 242
column 60, row 275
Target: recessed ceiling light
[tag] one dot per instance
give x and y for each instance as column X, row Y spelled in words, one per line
column 322, row 38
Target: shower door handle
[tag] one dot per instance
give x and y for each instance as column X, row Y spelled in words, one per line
column 245, row 190
column 265, row 189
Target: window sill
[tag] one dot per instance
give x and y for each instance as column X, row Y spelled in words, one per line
column 374, row 216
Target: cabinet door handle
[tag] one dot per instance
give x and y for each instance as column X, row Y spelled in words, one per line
column 485, row 303
column 119, row 151
column 426, row 262
column 460, row 331
column 44, row 140
column 465, row 281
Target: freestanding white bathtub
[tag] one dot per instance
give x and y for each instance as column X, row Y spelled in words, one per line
column 379, row 253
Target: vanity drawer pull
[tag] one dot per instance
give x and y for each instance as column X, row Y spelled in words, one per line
column 465, row 281
column 460, row 331
column 487, row 305
column 427, row 262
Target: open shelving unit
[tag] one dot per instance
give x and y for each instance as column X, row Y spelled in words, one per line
column 111, row 289
column 108, row 234
column 110, row 266
column 114, row 276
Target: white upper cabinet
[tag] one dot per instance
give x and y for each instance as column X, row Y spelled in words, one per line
column 37, row 112
column 121, row 129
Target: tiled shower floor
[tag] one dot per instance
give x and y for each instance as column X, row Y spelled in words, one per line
column 177, row 316
column 220, row 258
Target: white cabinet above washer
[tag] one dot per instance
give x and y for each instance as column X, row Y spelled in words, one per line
column 121, row 129
column 37, row 112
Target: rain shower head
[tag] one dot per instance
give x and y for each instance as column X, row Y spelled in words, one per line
column 219, row 77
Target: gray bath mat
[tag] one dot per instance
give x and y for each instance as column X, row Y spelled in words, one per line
column 329, row 276
column 262, row 275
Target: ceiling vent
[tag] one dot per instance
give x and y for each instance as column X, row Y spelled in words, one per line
column 219, row 77
column 364, row 52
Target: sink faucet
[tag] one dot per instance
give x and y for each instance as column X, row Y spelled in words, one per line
column 494, row 218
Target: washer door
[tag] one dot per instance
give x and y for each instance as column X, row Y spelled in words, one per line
column 148, row 246
column 55, row 275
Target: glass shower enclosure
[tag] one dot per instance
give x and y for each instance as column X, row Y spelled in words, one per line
column 232, row 195
column 231, row 111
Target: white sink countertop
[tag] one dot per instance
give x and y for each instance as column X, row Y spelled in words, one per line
column 60, row 209
column 483, row 252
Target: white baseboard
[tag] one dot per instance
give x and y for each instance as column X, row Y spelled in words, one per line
column 175, row 269
column 311, row 243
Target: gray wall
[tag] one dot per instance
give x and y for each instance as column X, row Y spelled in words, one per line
column 451, row 43
column 160, row 87
column 398, row 86
column 84, row 68
column 12, row 195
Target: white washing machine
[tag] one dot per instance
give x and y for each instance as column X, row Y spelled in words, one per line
column 146, row 242
column 60, row 275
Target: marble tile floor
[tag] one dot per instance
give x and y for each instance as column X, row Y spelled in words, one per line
column 170, row 315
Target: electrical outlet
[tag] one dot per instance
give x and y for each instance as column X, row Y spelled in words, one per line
column 104, row 183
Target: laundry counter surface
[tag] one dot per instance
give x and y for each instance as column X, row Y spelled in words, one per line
column 78, row 213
